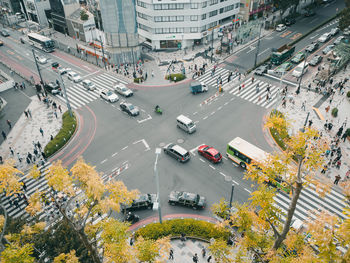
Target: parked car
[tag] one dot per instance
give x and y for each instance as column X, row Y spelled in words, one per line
column 315, row 60
column 286, row 66
column 123, row 90
column 328, row 49
column 108, row 95
column 131, row 218
column 312, row 47
column 87, row 84
column 289, row 21
column 210, row 153
column 298, row 58
column 334, row 31
column 73, row 76
column 324, row 38
column 309, row 12
column 52, row 88
column 281, row 27
column 5, row 33
column 338, row 40
column 129, row 108
column 41, row 60
column 346, row 31
column 195, row 201
column 177, row 152
column 262, row 69
column 143, row 201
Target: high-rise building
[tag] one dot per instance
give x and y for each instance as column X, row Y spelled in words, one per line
column 119, row 25
column 60, row 10
column 166, row 24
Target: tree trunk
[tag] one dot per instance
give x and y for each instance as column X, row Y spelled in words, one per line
column 92, row 250
column 291, row 209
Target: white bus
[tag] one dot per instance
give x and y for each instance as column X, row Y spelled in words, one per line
column 44, row 43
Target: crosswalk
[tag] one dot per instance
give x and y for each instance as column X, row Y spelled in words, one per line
column 78, row 96
column 212, row 80
column 310, row 204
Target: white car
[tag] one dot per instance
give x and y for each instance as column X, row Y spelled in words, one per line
column 334, row 31
column 73, row 76
column 324, row 38
column 123, row 90
column 62, row 70
column 41, row 60
column 87, row 84
column 327, row 49
column 281, row 27
column 108, row 95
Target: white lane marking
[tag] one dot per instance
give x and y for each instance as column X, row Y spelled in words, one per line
column 235, row 182
column 224, row 175
column 113, row 106
column 212, row 113
column 248, row 190
column 114, row 154
column 226, row 103
column 206, row 117
column 263, row 52
column 224, row 157
column 196, row 122
column 148, row 118
column 195, row 149
column 90, row 73
column 314, row 36
column 212, row 167
column 232, row 99
column 143, row 110
column 220, row 108
column 195, row 113
column 105, row 160
column 144, row 143
column 202, row 160
column 125, row 162
column 125, row 148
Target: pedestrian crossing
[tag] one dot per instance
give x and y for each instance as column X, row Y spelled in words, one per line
column 310, row 204
column 78, row 96
column 212, row 80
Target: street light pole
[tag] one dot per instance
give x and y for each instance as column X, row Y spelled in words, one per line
column 158, row 151
column 38, row 68
column 92, row 36
column 65, row 95
column 302, row 74
column 231, row 197
column 258, row 47
column 103, row 52
column 133, row 59
column 212, row 45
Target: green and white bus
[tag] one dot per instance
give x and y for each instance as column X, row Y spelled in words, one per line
column 44, row 43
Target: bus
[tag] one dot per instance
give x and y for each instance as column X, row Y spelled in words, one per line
column 44, row 43
column 244, row 153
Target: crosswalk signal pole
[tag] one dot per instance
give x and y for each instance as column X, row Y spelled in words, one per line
column 258, row 47
column 103, row 53
column 212, row 45
column 65, row 96
column 38, row 68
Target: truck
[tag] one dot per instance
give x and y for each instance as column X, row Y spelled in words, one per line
column 280, row 55
column 197, row 87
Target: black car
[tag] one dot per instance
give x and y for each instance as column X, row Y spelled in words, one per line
column 313, row 46
column 144, row 201
column 309, row 12
column 195, row 201
column 262, row 69
column 131, row 218
column 289, row 21
column 315, row 60
column 52, row 88
column 5, row 33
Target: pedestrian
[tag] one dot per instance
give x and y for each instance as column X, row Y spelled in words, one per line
column 131, row 241
column 11, row 150
column 26, row 114
column 41, row 131
column 310, row 123
column 39, row 145
column 195, row 258
column 337, row 179
column 344, row 136
column 9, row 124
column 3, row 135
column 204, row 252
column 183, row 237
column 303, row 106
column 30, row 156
column 55, row 112
column 252, row 79
column 28, row 160
column 171, row 254
column 15, row 202
column 267, row 97
column 340, row 131
column 24, row 186
column 60, row 109
column 239, row 88
column 38, row 96
column 338, row 164
column 19, row 157
column 51, row 137
column 35, row 152
column 209, row 259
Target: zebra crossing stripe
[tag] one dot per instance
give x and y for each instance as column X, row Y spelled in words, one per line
column 71, row 103
column 81, row 95
column 72, row 94
column 90, row 93
column 262, row 88
column 250, row 89
column 115, row 78
column 284, row 203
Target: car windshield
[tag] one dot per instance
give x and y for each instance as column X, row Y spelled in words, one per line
column 131, row 107
column 217, row 156
column 123, row 89
column 109, row 93
column 75, row 75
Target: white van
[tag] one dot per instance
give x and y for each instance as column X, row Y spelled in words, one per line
column 186, row 124
column 298, row 71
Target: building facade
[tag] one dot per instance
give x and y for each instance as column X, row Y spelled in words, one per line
column 60, row 10
column 165, row 24
column 252, row 9
column 36, row 11
column 119, row 25
column 79, row 28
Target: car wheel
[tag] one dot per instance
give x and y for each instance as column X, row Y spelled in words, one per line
column 243, row 165
column 171, row 203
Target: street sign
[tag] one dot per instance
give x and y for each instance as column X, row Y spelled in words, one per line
column 179, row 45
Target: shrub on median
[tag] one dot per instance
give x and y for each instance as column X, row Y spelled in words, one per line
column 279, row 138
column 189, row 226
column 69, row 124
column 178, row 77
column 334, row 112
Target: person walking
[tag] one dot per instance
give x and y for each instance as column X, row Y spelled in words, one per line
column 171, row 254
column 310, row 123
column 337, row 179
column 60, row 109
column 55, row 112
column 195, row 258
column 41, row 131
column 24, row 186
column 39, row 145
column 11, row 151
column 204, row 252
column 3, row 135
column 30, row 156
column 26, row 114
column 9, row 124
column 209, row 258
column 303, row 106
column 29, row 113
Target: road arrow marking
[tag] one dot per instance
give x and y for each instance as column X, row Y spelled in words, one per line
column 149, row 118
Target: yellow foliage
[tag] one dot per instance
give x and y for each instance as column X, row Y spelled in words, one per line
column 2, row 222
column 9, row 180
column 58, row 177
column 67, row 258
column 221, row 251
column 34, row 205
column 34, row 172
column 17, row 253
column 279, row 123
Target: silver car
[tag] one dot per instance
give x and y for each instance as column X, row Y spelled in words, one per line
column 123, row 90
column 87, row 84
column 129, row 108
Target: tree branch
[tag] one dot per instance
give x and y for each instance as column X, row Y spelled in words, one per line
column 4, row 227
column 275, row 231
column 88, row 213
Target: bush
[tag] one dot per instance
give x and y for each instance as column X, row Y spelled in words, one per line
column 348, row 94
column 279, row 138
column 69, row 124
column 189, row 226
column 334, row 112
column 178, row 76
column 347, row 132
column 138, row 80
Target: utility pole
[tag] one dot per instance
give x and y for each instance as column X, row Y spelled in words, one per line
column 93, row 43
column 231, row 197
column 65, row 95
column 158, row 151
column 133, row 59
column 38, row 68
column 302, row 74
column 103, row 52
column 212, row 45
column 257, row 48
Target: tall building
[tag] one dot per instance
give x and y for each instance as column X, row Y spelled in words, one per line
column 166, row 24
column 119, row 25
column 251, row 9
column 60, row 10
column 37, row 10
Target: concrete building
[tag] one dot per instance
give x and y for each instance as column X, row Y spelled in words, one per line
column 81, row 27
column 251, row 9
column 119, row 25
column 60, row 10
column 37, row 11
column 168, row 24
column 12, row 6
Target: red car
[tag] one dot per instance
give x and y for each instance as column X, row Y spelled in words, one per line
column 210, row 153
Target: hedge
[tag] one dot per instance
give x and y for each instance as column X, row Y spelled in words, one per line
column 334, row 112
column 188, row 226
column 178, row 76
column 138, row 80
column 348, row 94
column 279, row 139
column 69, row 124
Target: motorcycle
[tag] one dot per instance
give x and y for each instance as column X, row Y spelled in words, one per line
column 158, row 110
column 132, row 218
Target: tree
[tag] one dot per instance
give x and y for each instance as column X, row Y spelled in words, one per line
column 344, row 20
column 149, row 250
column 83, row 15
column 66, row 258
column 220, row 251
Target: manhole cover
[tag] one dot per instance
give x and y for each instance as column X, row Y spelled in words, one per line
column 228, row 178
column 162, row 144
column 180, row 140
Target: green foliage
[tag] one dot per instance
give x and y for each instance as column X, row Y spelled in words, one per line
column 279, row 138
column 83, row 15
column 138, row 80
column 348, row 94
column 14, row 253
column 334, row 112
column 14, row 225
column 190, row 227
column 69, row 124
column 178, row 76
column 347, row 132
column 344, row 20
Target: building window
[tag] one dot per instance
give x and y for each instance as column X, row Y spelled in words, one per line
column 157, row 19
column 172, row 6
column 159, row 30
column 194, row 29
column 204, row 4
column 140, row 3
column 213, row 2
column 194, row 5
column 180, row 18
column 172, row 30
column 179, row 30
column 173, row 19
column 204, row 16
column 203, row 28
column 157, row 7
column 165, row 6
column 213, row 13
column 237, row 5
column 180, row 6
column 194, row 18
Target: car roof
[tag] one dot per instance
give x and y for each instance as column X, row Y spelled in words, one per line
column 189, row 196
column 87, row 81
column 213, row 151
column 179, row 149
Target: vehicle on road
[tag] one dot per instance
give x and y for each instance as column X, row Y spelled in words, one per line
column 309, row 12
column 185, row 124
column 131, row 218
column 281, row 54
column 5, row 33
column 286, row 66
column 41, row 60
column 177, row 152
column 289, row 21
column 301, row 69
column 1, row 43
column 312, row 47
column 195, row 201
column 158, row 110
column 298, row 57
column 52, row 88
column 123, row 90
column 143, row 201
column 281, row 27
column 339, row 40
column 87, row 84
column 198, row 87
column 334, row 31
column 108, row 95
column 315, row 60
column 129, row 108
column 73, row 76
column 210, row 153
column 346, row 31
column 324, row 38
column 328, row 49
column 61, row 70
column 39, row 41
column 262, row 69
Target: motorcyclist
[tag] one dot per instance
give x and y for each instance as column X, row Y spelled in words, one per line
column 157, row 108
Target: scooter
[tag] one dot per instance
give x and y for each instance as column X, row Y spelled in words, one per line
column 132, row 218
column 158, row 110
